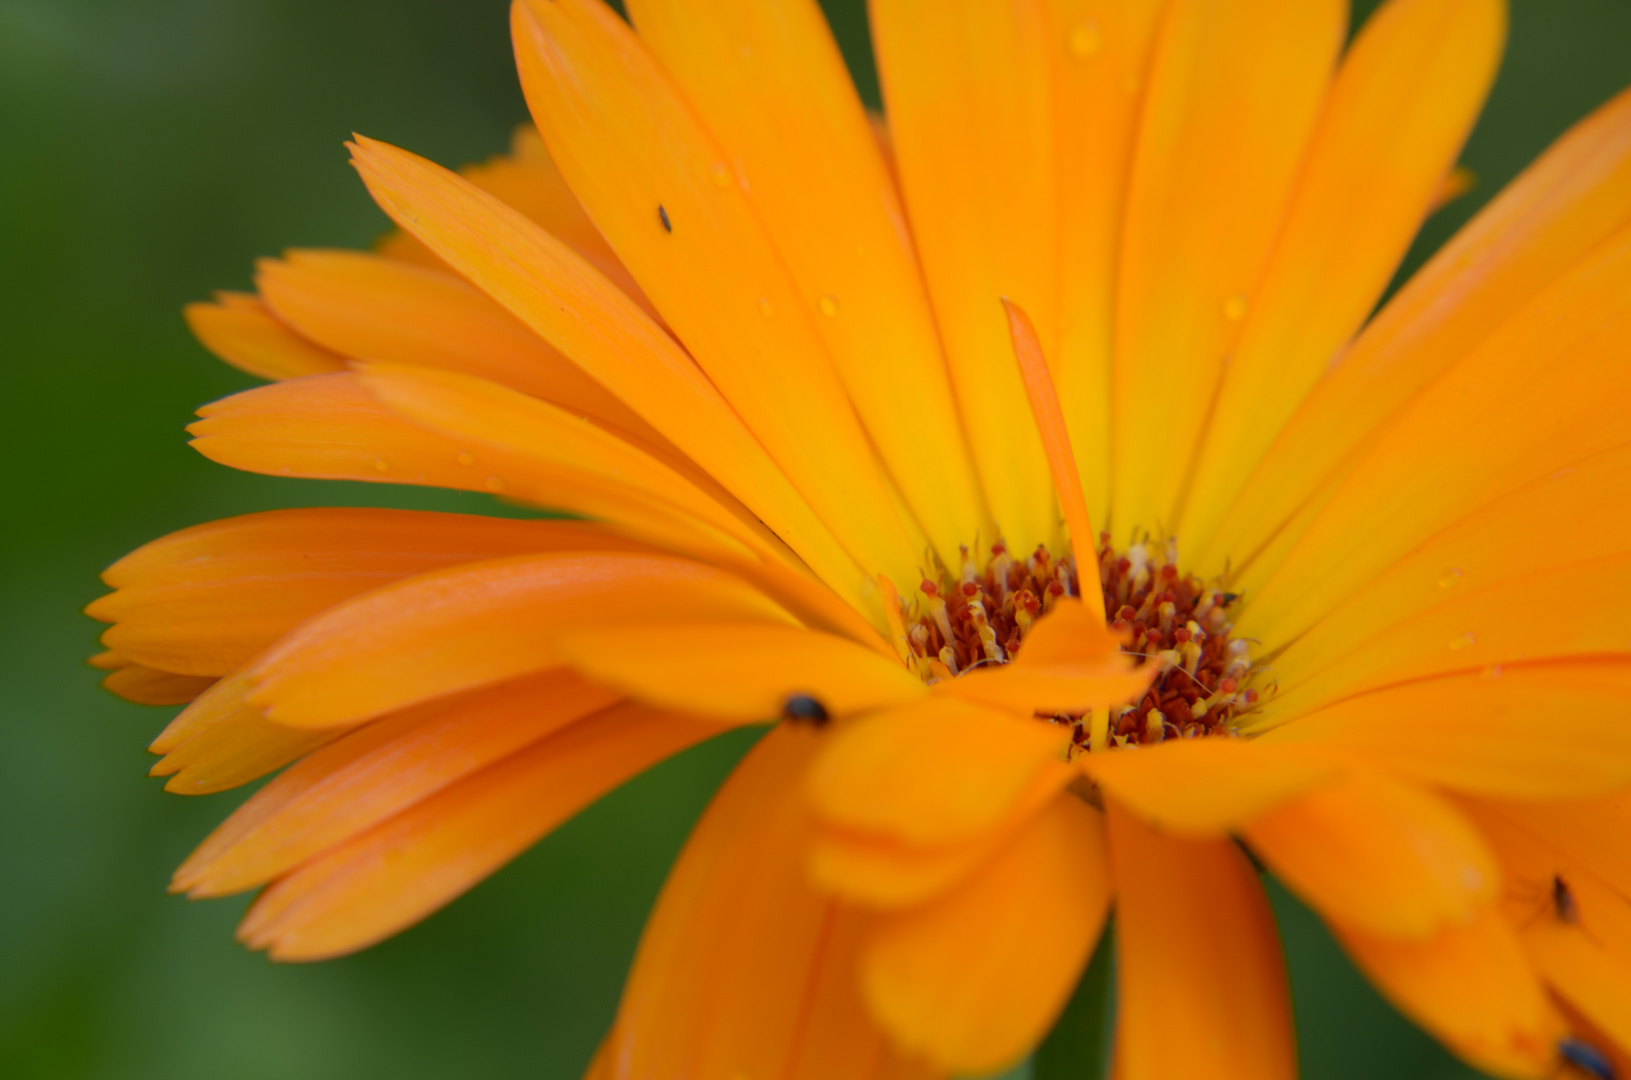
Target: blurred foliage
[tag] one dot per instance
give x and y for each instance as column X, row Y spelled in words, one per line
column 152, row 149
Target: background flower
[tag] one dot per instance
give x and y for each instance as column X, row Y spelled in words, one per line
column 160, row 146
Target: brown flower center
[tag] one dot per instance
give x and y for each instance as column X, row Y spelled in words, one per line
column 1169, row 618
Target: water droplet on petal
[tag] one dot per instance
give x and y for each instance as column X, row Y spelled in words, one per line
column 721, row 173
column 1234, row 308
column 1086, row 39
column 828, row 305
column 1450, row 578
column 1457, row 644
column 495, row 484
column 765, row 309
column 382, row 465
column 466, row 458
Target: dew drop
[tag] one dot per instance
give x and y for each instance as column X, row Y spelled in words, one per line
column 466, row 458
column 381, row 465
column 828, row 305
column 1234, row 308
column 1450, row 578
column 1462, row 642
column 721, row 174
column 765, row 309
column 495, row 484
column 1086, row 39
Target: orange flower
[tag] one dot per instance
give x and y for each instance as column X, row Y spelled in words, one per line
column 841, row 407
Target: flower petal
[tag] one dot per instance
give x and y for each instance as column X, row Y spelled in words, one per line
column 739, row 671
column 769, row 83
column 939, row 772
column 1379, row 856
column 887, row 872
column 744, row 970
column 973, row 980
column 1101, row 52
column 242, row 330
column 333, row 427
column 209, row 599
column 644, row 169
column 1070, row 663
column 1594, row 834
column 1492, row 547
column 1206, row 787
column 1194, row 933
column 1508, row 623
column 1471, row 987
column 1234, row 94
column 598, row 328
column 969, row 111
column 1475, row 733
column 372, row 774
column 476, row 624
column 388, row 878
column 220, row 741
column 152, row 686
column 1399, row 110
column 369, row 308
column 1570, row 200
column 1509, row 413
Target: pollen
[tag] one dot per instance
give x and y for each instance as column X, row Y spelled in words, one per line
column 1166, row 617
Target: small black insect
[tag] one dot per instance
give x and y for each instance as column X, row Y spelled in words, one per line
column 662, row 216
column 805, row 709
column 1563, row 901
column 1229, row 598
column 1587, row 1058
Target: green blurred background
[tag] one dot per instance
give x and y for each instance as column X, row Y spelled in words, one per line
column 149, row 150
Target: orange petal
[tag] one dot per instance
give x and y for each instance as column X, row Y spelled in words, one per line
column 480, row 623
column 1510, row 413
column 377, row 772
column 1512, row 622
column 1536, row 868
column 393, row 875
column 1070, row 663
column 219, row 742
column 1570, row 200
column 333, row 427
column 242, row 330
column 1399, row 110
column 1194, row 931
column 1379, row 856
column 645, row 170
column 967, row 92
column 209, row 599
column 1592, row 833
column 771, row 87
column 739, row 671
column 1475, row 733
column 744, row 970
column 885, row 872
column 974, row 980
column 1492, row 547
column 528, row 180
column 1206, row 787
column 1471, row 987
column 1234, row 94
column 1101, row 57
column 151, row 686
column 370, row 308
column 598, row 328
column 486, row 414
column 936, row 773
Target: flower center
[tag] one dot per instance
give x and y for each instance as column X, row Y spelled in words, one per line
column 1167, row 617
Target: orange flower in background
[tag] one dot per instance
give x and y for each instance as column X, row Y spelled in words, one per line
column 843, row 414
